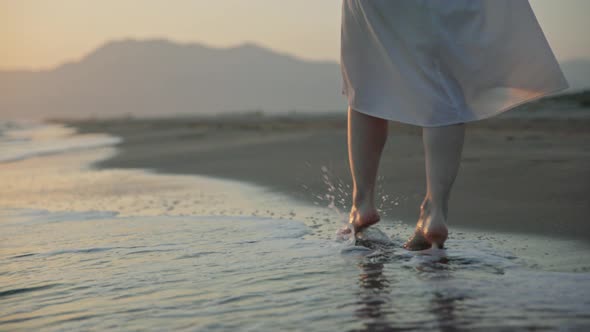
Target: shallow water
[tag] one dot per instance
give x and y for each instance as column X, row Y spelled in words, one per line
column 86, row 249
column 218, row 273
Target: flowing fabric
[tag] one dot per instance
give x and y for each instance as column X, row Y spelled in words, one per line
column 435, row 63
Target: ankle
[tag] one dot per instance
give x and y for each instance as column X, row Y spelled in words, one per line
column 434, row 208
column 362, row 201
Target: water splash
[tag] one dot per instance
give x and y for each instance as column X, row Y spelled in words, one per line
column 338, row 193
column 338, row 196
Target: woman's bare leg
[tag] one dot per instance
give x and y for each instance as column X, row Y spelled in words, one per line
column 442, row 148
column 366, row 139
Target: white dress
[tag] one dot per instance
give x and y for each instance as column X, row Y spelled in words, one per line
column 435, row 63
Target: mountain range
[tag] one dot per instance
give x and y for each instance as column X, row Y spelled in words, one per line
column 160, row 77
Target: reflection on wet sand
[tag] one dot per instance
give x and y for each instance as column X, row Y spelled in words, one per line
column 443, row 308
column 374, row 297
column 377, row 306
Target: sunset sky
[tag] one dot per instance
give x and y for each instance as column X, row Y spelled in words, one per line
column 37, row 34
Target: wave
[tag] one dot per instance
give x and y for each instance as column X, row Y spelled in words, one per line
column 23, row 140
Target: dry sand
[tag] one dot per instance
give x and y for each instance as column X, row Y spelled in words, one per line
column 517, row 175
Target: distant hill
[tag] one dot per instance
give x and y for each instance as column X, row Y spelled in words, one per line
column 577, row 73
column 159, row 77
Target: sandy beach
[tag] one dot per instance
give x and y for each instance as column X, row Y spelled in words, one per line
column 184, row 166
column 517, row 175
column 141, row 225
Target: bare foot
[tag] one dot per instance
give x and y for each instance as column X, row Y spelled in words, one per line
column 431, row 232
column 436, row 232
column 361, row 218
column 417, row 241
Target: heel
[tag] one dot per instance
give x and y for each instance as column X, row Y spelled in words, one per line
column 437, row 237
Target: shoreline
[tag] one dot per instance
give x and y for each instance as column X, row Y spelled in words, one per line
column 126, row 242
column 528, row 175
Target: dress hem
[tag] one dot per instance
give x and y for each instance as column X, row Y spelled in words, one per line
column 480, row 117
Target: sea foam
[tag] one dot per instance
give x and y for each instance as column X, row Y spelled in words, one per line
column 23, row 140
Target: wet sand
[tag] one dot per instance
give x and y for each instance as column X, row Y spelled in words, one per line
column 95, row 248
column 517, row 175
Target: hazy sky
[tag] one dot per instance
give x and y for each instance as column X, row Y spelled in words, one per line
column 43, row 33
